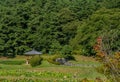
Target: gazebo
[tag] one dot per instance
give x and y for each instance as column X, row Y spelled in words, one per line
column 31, row 53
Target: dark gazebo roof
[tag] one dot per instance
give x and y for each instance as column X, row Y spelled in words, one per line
column 33, row 52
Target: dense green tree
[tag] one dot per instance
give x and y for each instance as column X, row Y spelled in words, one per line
column 49, row 25
column 111, row 3
column 97, row 24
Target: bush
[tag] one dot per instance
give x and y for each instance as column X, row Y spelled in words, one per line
column 35, row 61
column 66, row 50
column 52, row 60
column 69, row 57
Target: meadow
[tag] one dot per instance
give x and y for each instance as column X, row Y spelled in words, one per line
column 16, row 70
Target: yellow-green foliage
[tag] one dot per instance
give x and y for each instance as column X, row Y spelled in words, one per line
column 107, row 68
column 52, row 59
column 36, row 60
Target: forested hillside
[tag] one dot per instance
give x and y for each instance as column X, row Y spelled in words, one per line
column 56, row 26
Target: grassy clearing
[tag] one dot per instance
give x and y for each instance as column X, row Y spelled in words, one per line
column 49, row 72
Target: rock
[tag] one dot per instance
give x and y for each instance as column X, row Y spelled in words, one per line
column 61, row 60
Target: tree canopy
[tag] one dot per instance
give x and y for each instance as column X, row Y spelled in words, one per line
column 50, row 25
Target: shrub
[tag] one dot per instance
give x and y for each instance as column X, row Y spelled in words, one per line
column 66, row 50
column 69, row 57
column 107, row 51
column 53, row 59
column 35, row 61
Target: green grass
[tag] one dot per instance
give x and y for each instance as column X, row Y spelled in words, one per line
column 49, row 72
column 12, row 62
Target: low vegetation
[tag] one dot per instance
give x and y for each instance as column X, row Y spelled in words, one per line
column 51, row 72
column 12, row 62
column 36, row 60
